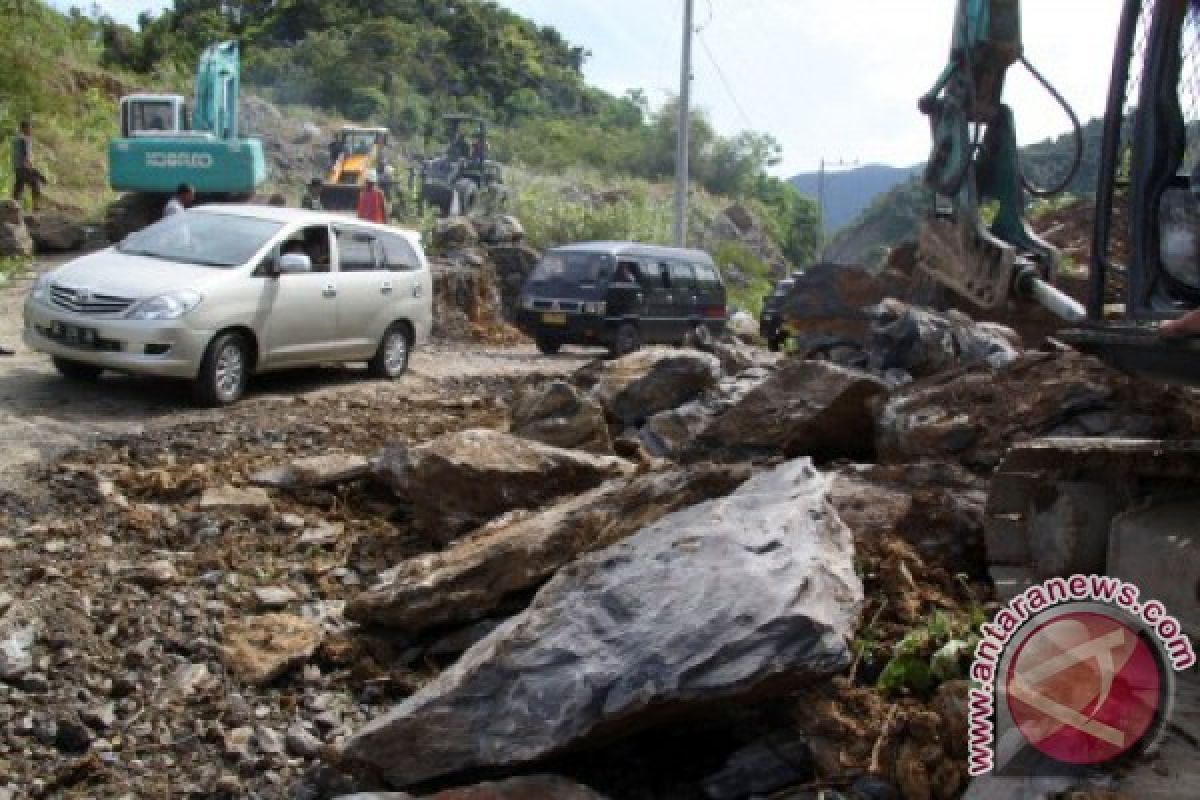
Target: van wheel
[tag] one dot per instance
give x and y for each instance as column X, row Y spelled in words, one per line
column 391, row 359
column 76, row 370
column 628, row 340
column 548, row 347
column 224, row 371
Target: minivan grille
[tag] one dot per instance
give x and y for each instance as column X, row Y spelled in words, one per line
column 557, row 305
column 83, row 301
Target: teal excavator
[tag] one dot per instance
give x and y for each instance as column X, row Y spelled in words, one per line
column 164, row 143
column 1064, row 506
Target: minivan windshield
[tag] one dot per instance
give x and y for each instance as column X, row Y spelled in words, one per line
column 211, row 240
column 573, row 267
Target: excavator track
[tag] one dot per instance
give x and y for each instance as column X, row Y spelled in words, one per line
column 1052, row 502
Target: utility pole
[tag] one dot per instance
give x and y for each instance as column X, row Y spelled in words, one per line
column 685, row 119
column 841, row 162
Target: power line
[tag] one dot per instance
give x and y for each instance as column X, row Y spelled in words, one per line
column 725, row 82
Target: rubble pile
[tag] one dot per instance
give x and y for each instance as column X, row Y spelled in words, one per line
column 479, row 265
column 681, row 573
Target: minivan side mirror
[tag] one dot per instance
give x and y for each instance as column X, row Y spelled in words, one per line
column 291, row 263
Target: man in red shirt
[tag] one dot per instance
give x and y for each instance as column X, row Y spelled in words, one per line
column 370, row 202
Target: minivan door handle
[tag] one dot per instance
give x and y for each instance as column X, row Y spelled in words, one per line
column 330, row 290
column 418, row 290
column 386, row 287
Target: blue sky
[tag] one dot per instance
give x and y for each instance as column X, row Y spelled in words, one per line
column 832, row 79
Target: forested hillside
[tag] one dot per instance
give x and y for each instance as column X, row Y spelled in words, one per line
column 400, row 63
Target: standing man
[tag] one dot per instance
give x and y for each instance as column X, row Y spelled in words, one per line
column 370, row 201
column 24, row 173
column 312, row 198
column 181, row 201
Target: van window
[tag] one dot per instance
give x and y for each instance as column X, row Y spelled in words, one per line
column 628, row 272
column 357, row 251
column 573, row 267
column 661, row 275
column 682, row 275
column 398, row 254
column 706, row 275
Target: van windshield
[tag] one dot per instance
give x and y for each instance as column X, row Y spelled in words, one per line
column 573, row 268
column 212, row 240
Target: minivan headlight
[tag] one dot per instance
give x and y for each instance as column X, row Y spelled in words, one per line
column 600, row 308
column 166, row 306
column 41, row 288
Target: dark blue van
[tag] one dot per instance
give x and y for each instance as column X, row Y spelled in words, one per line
column 620, row 295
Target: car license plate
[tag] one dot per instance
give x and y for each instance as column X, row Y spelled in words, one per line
column 554, row 319
column 73, row 334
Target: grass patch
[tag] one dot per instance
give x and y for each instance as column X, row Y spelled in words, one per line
column 12, row 268
column 747, row 278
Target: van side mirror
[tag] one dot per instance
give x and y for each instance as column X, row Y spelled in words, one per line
column 292, row 263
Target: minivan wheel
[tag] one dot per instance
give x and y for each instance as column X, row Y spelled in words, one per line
column 628, row 340
column 76, row 370
column 548, row 346
column 224, row 372
column 391, row 359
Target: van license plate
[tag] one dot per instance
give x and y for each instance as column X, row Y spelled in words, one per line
column 73, row 334
column 554, row 319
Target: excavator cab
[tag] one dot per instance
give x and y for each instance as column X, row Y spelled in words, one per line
column 1145, row 264
column 154, row 115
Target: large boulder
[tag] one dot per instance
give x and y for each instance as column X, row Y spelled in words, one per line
column 560, row 415
column 15, row 240
column 669, row 434
column 514, row 262
column 55, row 233
column 832, row 300
column 10, row 211
column 974, row 415
column 641, row 384
column 526, row 787
column 521, row 551
column 804, row 408
column 460, row 480
column 735, row 356
column 453, row 233
column 923, row 342
column 747, row 595
column 498, row 229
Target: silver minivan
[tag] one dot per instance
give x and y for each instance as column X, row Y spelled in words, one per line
column 221, row 292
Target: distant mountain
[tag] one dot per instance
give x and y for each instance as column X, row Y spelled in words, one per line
column 849, row 192
column 894, row 214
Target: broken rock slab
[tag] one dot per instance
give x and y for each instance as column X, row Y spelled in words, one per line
column 741, row 596
column 974, row 415
column 641, row 384
column 460, row 480
column 314, row 472
column 55, row 233
column 519, row 552
column 531, row 787
column 921, row 342
column 669, row 433
column 833, row 300
column 560, row 415
column 251, row 501
column 805, row 408
column 259, row 649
